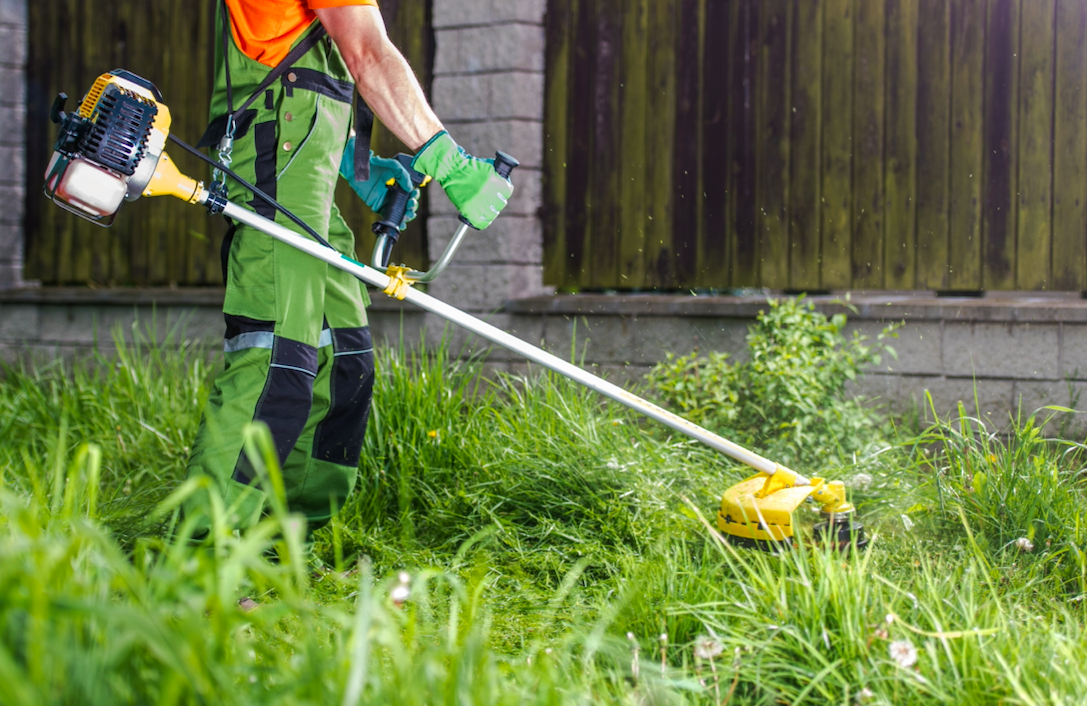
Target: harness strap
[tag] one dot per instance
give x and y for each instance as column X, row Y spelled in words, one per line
column 364, row 116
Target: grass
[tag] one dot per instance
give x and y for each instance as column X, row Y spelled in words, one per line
column 549, row 542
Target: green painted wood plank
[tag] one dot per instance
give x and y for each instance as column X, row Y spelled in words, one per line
column 773, row 132
column 1001, row 139
column 603, row 247
column 743, row 146
column 933, row 143
column 1070, row 149
column 660, row 128
column 837, row 157
column 713, row 248
column 579, row 167
column 75, row 83
column 1033, row 244
column 804, row 153
column 900, row 175
column 556, row 143
column 868, row 139
column 42, row 69
column 633, row 107
column 686, row 146
column 967, row 60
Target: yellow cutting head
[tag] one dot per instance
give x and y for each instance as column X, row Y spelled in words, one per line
column 760, row 508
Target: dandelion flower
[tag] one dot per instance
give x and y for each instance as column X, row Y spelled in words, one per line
column 433, row 433
column 1024, row 545
column 903, row 652
column 403, row 589
column 707, row 647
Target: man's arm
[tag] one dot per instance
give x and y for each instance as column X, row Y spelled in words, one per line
column 381, row 73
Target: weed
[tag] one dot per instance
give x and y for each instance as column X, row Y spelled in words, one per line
column 789, row 398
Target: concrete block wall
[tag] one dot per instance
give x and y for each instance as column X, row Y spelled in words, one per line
column 998, row 355
column 489, row 92
column 13, row 42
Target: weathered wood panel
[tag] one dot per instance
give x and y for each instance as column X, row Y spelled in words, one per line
column 868, row 141
column 805, row 231
column 1070, row 149
column 900, row 177
column 838, row 96
column 773, row 137
column 933, row 143
column 158, row 241
column 1034, row 226
column 633, row 93
column 831, row 144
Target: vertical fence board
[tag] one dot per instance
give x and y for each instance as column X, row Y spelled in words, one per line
column 743, row 255
column 559, row 33
column 837, row 162
column 804, row 153
column 602, row 249
column 900, row 176
column 967, row 56
column 868, row 139
column 1032, row 256
column 773, row 160
column 687, row 148
column 1001, row 138
column 578, row 169
column 1070, row 149
column 660, row 126
column 933, row 142
column 633, row 95
column 713, row 254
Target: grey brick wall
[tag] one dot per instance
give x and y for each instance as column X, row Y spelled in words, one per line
column 488, row 91
column 13, row 38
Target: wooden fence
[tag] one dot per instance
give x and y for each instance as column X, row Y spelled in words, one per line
column 816, row 144
column 160, row 241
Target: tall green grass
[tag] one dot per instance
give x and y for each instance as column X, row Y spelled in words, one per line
column 549, row 541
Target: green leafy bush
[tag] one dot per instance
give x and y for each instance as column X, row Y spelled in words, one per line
column 789, row 399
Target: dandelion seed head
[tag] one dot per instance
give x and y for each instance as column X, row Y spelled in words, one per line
column 903, row 653
column 861, row 481
column 865, row 695
column 1024, row 545
column 707, row 647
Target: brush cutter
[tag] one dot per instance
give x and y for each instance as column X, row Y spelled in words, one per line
column 113, row 150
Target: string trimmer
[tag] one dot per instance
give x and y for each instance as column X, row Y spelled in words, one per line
column 113, row 150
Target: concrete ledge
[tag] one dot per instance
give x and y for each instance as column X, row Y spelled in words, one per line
column 888, row 306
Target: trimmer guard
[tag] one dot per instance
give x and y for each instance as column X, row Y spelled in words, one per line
column 761, row 507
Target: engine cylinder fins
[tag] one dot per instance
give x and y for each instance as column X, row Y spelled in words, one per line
column 118, row 136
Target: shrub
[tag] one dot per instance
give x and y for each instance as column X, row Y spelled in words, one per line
column 789, row 398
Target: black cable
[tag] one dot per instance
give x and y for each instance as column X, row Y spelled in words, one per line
column 257, row 192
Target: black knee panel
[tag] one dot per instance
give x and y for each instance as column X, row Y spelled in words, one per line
column 339, row 436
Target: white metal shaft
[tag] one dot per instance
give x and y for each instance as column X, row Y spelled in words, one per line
column 501, row 338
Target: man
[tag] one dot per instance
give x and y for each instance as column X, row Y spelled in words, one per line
column 298, row 352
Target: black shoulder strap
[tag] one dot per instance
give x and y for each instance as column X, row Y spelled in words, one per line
column 364, row 117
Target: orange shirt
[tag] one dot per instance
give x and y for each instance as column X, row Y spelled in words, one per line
column 265, row 29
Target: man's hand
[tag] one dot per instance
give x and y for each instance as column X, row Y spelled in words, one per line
column 383, row 174
column 472, row 184
column 381, row 73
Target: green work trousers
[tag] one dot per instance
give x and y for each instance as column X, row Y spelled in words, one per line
column 298, row 352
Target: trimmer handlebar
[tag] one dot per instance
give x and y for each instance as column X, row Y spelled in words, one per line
column 387, row 231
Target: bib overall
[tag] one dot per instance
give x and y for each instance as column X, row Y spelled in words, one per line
column 298, row 352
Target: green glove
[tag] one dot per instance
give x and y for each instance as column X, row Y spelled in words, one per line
column 472, row 184
column 383, row 174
